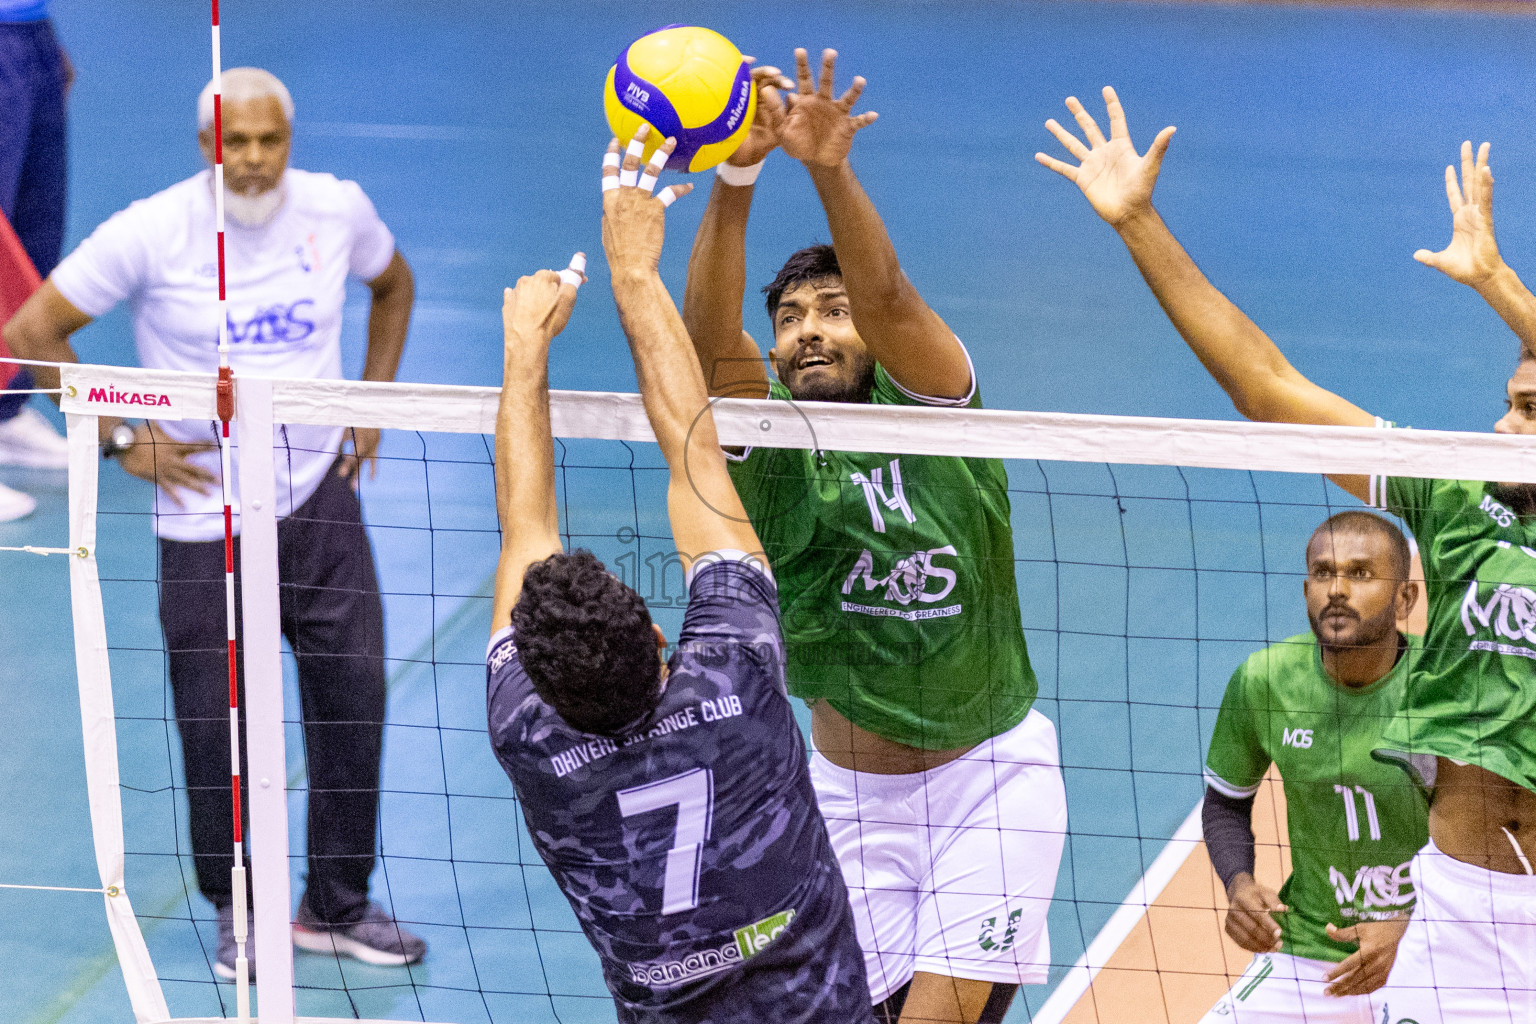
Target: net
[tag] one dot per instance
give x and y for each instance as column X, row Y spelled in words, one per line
column 1151, row 557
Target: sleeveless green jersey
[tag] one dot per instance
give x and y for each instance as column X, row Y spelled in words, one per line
column 1473, row 696
column 896, row 584
column 1354, row 822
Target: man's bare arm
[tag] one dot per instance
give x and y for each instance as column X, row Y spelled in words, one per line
column 1473, row 256
column 531, row 314
column 389, row 318
column 904, row 335
column 717, row 269
column 706, row 513
column 41, row 329
column 1250, row 368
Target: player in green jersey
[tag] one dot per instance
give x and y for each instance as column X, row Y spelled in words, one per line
column 1315, row 706
column 896, row 583
column 1468, row 727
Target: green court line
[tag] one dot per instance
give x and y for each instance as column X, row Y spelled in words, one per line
column 95, row 971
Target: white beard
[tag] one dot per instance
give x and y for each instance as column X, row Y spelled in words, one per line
column 254, row 211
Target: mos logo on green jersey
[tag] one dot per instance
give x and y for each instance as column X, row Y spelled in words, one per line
column 912, row 578
column 1506, row 610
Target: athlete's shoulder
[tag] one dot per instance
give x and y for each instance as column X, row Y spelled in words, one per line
column 889, row 391
column 1287, row 665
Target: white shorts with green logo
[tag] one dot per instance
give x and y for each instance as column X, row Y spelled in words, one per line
column 1278, row 988
column 951, row 871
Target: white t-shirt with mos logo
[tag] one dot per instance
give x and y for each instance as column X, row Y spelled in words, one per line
column 286, row 283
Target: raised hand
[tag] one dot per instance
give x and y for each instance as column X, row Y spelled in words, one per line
column 1250, row 915
column 763, row 137
column 1473, row 255
column 634, row 220
column 539, row 308
column 1117, row 182
column 818, row 130
column 1366, row 969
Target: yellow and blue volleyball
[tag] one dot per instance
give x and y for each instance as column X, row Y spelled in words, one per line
column 687, row 83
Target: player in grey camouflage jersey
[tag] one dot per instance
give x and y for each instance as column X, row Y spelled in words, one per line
column 671, row 801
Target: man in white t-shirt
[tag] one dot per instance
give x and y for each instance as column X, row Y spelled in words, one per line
column 292, row 240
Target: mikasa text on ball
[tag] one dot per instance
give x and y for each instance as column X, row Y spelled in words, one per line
column 688, row 83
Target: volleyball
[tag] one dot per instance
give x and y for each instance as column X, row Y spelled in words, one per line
column 687, row 83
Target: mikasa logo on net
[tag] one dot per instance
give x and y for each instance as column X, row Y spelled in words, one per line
column 110, row 395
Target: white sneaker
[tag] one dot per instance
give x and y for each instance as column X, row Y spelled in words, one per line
column 28, row 439
column 14, row 504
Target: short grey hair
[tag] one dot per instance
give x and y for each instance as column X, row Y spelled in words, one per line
column 241, row 84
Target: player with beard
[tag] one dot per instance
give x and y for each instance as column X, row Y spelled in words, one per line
column 1315, row 706
column 897, row 587
column 1468, row 728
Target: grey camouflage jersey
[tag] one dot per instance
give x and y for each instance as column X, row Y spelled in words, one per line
column 691, row 849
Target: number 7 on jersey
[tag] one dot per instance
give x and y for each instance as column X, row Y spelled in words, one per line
column 693, row 793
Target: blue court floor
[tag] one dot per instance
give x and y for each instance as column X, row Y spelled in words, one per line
column 1306, row 170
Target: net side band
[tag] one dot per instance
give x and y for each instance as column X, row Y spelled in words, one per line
column 903, row 430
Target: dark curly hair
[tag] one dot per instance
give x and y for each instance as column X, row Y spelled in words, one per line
column 811, row 264
column 585, row 640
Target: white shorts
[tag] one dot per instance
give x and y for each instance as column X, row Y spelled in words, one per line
column 1278, row 988
column 951, row 870
column 1469, row 953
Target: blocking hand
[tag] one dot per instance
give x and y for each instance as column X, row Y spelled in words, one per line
column 634, row 220
column 1366, row 969
column 1250, row 916
column 818, row 130
column 539, row 307
column 763, row 137
column 1117, row 182
column 1473, row 255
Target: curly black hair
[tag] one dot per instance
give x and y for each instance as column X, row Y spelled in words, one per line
column 585, row 640
column 813, row 263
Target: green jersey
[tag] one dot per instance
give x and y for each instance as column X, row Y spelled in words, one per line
column 1354, row 822
column 1473, row 696
column 896, row 584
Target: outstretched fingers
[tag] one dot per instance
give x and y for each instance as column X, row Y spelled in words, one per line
column 828, row 64
column 1061, row 167
column 1071, row 142
column 1085, row 121
column 672, row 193
column 1158, row 149
column 804, row 84
column 611, row 166
column 1117, row 127
column 629, row 170
column 849, row 98
column 1452, row 189
column 657, row 162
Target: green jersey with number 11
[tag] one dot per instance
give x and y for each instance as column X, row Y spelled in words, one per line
column 1354, row 822
column 896, row 584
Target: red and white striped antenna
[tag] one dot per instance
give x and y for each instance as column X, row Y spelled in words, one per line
column 226, row 408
